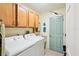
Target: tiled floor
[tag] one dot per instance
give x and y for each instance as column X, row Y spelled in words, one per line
column 52, row 53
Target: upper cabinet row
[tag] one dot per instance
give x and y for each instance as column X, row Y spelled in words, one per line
column 16, row 15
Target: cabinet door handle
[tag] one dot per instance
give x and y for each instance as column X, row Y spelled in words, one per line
column 65, row 34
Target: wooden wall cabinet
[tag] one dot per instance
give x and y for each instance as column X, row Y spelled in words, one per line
column 22, row 19
column 8, row 14
column 31, row 19
column 36, row 20
column 36, row 23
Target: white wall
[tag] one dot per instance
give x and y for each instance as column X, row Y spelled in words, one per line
column 45, row 18
column 72, row 29
column 76, row 19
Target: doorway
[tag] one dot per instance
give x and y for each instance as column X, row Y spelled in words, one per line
column 56, row 33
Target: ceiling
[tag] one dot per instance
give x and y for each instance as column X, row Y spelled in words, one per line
column 44, row 7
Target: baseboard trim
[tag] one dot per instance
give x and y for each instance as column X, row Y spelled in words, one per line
column 68, row 52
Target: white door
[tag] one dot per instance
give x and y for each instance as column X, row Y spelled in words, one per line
column 56, row 33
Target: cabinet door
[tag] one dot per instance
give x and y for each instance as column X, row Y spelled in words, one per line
column 31, row 19
column 7, row 14
column 36, row 21
column 22, row 17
